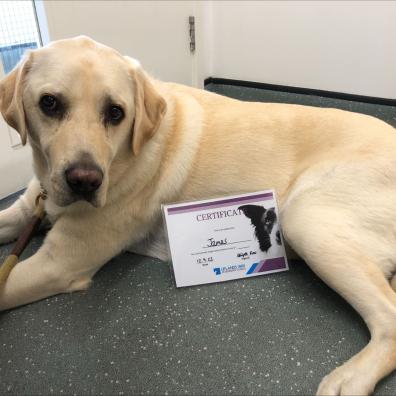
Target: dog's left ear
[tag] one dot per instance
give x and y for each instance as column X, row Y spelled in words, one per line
column 150, row 108
column 11, row 90
column 252, row 211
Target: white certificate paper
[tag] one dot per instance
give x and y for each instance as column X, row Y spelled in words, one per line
column 225, row 238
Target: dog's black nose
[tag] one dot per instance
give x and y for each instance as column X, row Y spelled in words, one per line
column 84, row 178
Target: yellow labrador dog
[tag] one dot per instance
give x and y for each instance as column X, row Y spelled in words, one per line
column 110, row 144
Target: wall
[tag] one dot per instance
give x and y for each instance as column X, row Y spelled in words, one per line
column 154, row 32
column 344, row 46
column 205, row 39
column 15, row 164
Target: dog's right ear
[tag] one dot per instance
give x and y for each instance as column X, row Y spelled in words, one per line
column 11, row 90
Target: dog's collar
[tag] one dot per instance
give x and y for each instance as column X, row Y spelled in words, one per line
column 43, row 195
column 25, row 236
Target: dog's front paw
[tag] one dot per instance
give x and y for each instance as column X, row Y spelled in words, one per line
column 10, row 225
column 346, row 380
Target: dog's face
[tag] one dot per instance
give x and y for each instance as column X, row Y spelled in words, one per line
column 80, row 103
column 260, row 216
column 263, row 220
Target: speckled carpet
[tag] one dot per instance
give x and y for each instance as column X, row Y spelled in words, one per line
column 133, row 332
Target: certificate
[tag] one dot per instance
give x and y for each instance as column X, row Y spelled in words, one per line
column 226, row 238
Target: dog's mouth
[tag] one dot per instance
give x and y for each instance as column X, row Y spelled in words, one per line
column 64, row 200
column 63, row 195
column 91, row 198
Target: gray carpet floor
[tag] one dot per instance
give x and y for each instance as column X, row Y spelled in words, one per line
column 133, row 332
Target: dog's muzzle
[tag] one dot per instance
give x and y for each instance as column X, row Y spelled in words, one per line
column 84, row 179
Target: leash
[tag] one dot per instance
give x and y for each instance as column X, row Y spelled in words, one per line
column 24, row 238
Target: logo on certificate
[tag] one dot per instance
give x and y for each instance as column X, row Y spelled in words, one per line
column 225, row 238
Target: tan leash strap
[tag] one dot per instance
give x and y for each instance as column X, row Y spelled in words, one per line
column 24, row 238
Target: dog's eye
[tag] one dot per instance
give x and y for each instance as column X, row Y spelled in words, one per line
column 114, row 115
column 49, row 104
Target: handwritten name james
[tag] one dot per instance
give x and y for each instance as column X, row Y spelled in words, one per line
column 212, row 242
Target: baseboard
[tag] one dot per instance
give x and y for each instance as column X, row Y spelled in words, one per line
column 303, row 91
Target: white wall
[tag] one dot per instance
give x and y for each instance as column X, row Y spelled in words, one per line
column 154, row 32
column 205, row 39
column 15, row 164
column 343, row 46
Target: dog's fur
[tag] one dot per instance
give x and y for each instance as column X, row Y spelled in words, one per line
column 334, row 173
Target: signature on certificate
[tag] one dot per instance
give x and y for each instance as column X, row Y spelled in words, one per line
column 213, row 242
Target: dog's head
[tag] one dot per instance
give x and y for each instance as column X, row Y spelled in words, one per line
column 79, row 103
column 263, row 221
column 260, row 217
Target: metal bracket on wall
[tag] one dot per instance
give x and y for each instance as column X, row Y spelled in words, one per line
column 191, row 21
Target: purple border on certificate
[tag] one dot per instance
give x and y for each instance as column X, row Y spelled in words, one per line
column 220, row 203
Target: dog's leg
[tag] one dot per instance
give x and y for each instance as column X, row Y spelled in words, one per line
column 14, row 218
column 322, row 236
column 154, row 245
column 74, row 249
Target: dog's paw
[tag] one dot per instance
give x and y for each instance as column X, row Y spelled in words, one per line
column 10, row 225
column 346, row 380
